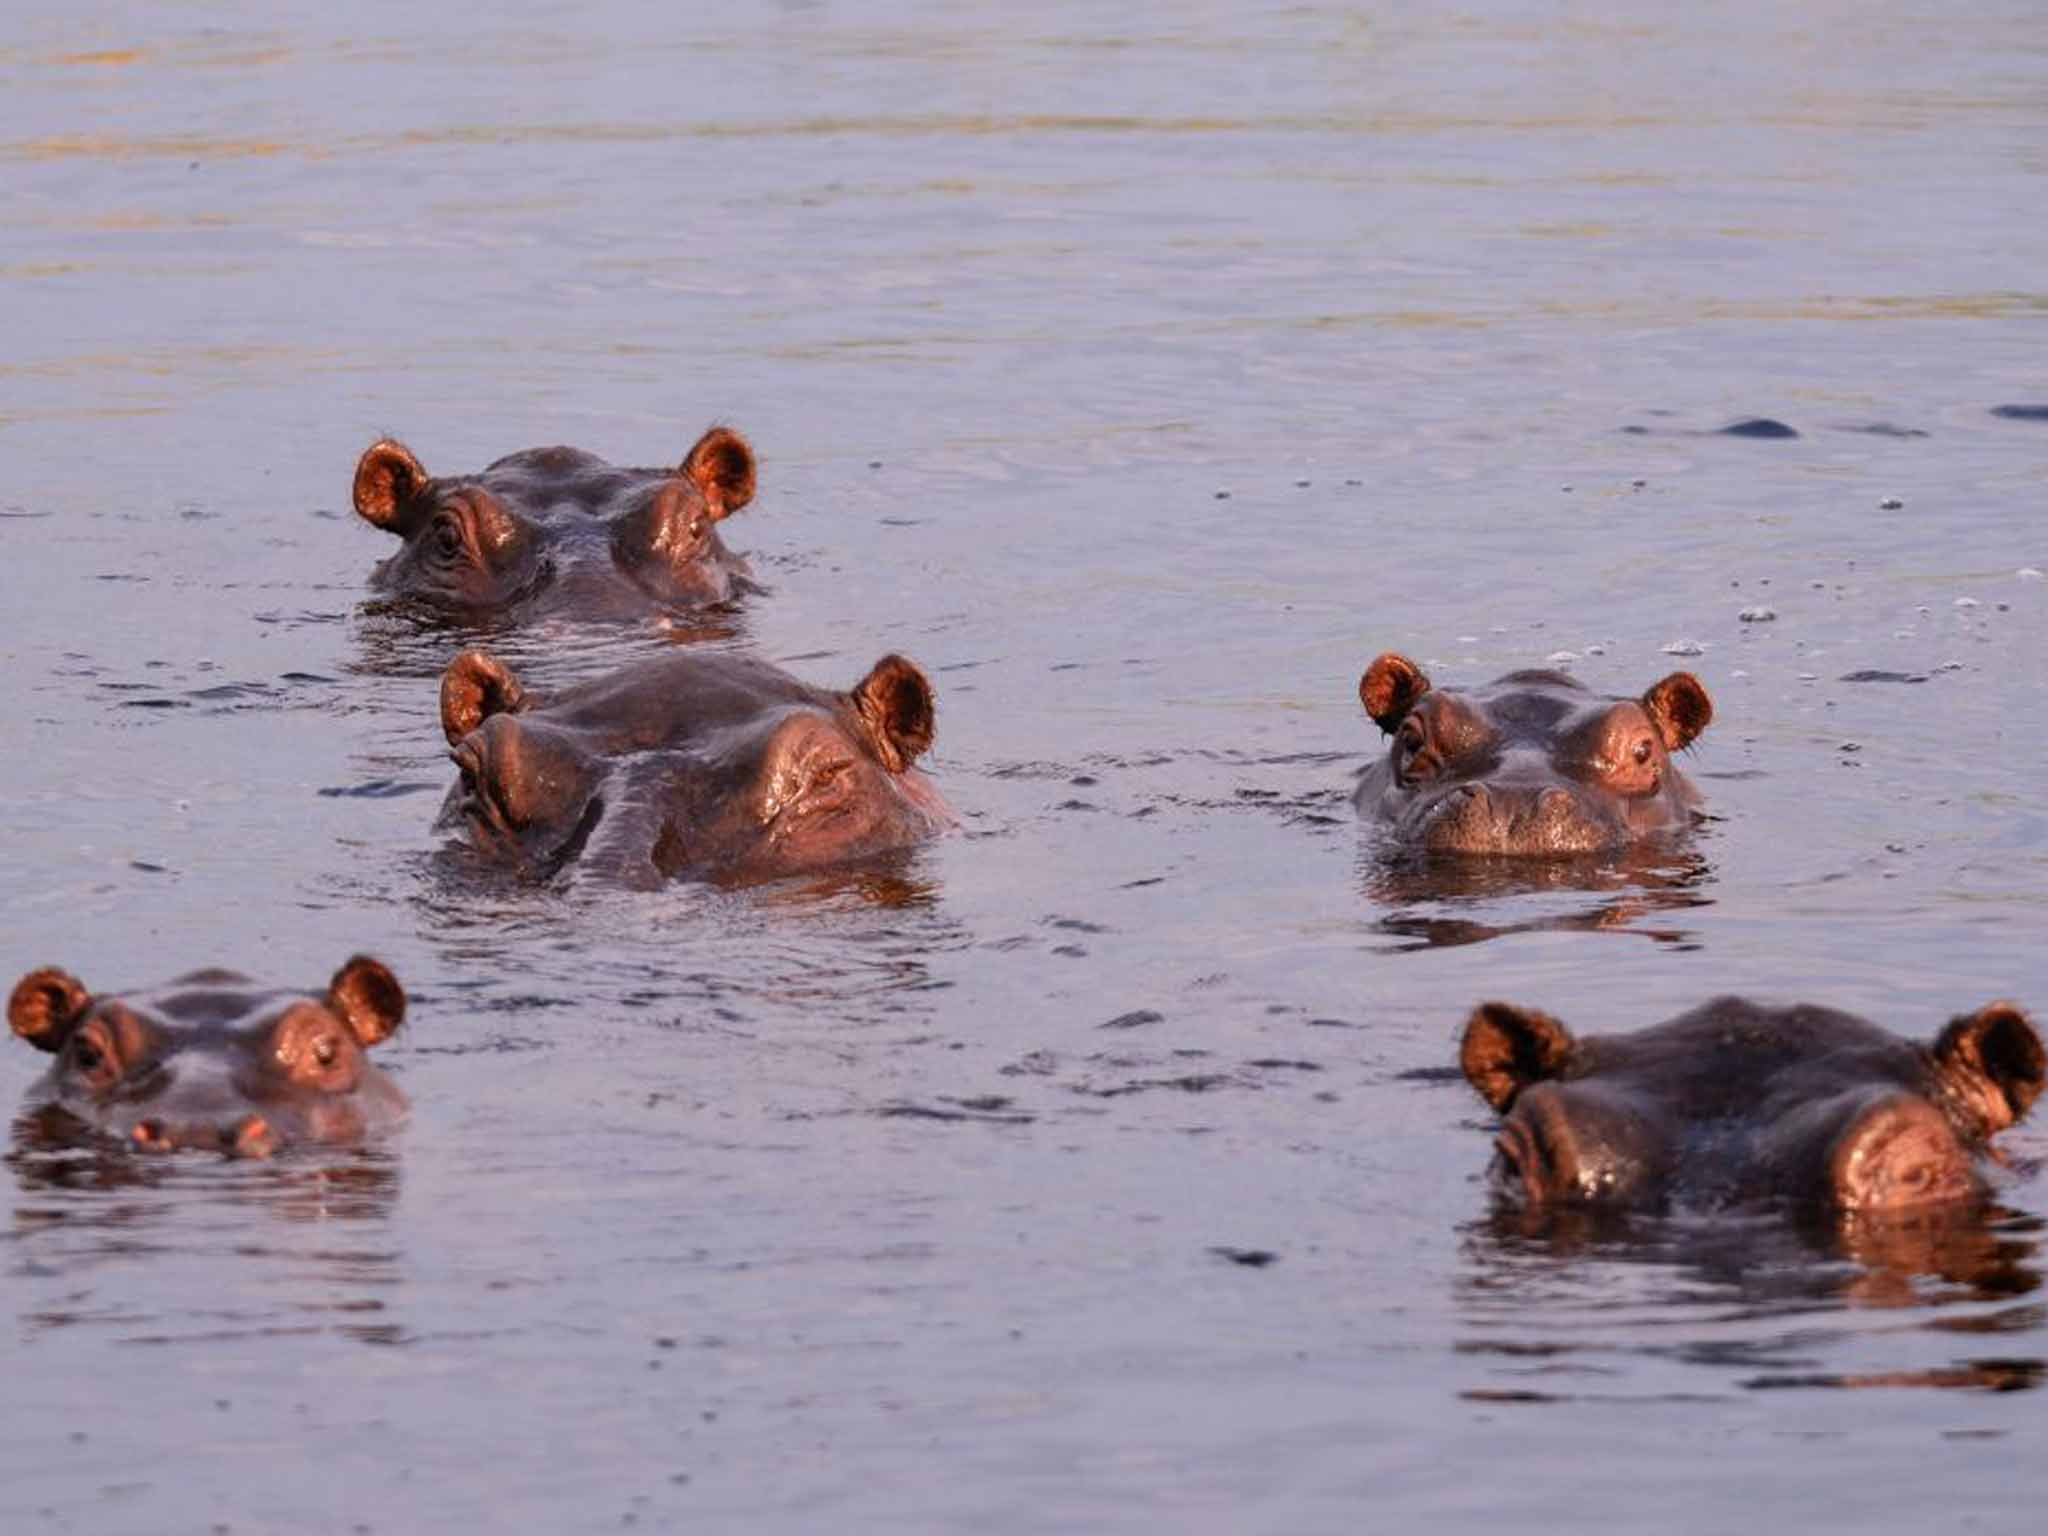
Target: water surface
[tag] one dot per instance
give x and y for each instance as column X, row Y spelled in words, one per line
column 1141, row 376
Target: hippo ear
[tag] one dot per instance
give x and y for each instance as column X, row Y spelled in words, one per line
column 1680, row 709
column 1507, row 1048
column 1997, row 1051
column 721, row 466
column 475, row 687
column 1391, row 687
column 387, row 477
column 45, row 1005
column 894, row 702
column 368, row 999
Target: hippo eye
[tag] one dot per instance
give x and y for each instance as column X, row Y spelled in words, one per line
column 447, row 537
column 86, row 1056
column 325, row 1049
column 1642, row 752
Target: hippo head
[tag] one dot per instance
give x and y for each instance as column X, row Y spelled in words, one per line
column 558, row 518
column 1531, row 764
column 1735, row 1102
column 212, row 1063
column 711, row 765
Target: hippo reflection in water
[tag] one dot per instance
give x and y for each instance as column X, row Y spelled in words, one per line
column 711, row 765
column 1531, row 764
column 1737, row 1103
column 214, row 1062
column 603, row 540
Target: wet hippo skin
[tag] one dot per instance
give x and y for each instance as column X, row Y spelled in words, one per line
column 1531, row 764
column 1736, row 1103
column 711, row 765
column 560, row 528
column 213, row 1062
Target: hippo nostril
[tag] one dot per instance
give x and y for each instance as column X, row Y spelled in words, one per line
column 250, row 1137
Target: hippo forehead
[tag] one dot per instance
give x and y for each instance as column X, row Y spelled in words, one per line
column 205, row 1008
column 567, row 481
column 1526, row 706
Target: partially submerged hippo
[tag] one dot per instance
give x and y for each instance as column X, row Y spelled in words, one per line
column 712, row 765
column 1532, row 763
column 214, row 1062
column 1736, row 1102
column 603, row 539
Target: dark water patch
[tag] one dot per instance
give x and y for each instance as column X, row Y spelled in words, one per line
column 1283, row 1064
column 490, row 1045
column 992, row 1110
column 1881, row 429
column 378, row 789
column 1136, row 1019
column 1248, row 1258
column 1434, row 1076
column 1760, row 427
column 2020, row 412
column 1876, row 675
column 147, row 868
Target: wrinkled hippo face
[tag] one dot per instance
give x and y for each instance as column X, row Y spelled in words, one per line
column 211, row 1063
column 1530, row 765
column 1736, row 1103
column 593, row 538
column 716, row 766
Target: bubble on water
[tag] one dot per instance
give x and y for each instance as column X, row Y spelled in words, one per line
column 1685, row 648
column 1891, row 504
column 1468, row 639
column 1850, row 746
column 1757, row 615
column 1950, row 666
column 1596, row 650
column 1903, row 634
column 1966, row 602
column 1808, row 677
column 2029, row 573
column 1564, row 488
column 1562, row 658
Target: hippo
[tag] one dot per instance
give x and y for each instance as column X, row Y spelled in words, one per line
column 1739, row 1103
column 713, row 765
column 214, row 1062
column 594, row 538
column 1531, row 764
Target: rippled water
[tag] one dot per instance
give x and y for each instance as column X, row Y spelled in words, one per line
column 1142, row 374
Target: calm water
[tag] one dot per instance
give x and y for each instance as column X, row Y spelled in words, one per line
column 1142, row 375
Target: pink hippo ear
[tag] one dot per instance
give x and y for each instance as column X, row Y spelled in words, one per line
column 368, row 999
column 45, row 1006
column 1391, row 687
column 1680, row 709
column 475, row 687
column 1995, row 1057
column 1507, row 1048
column 387, row 477
column 894, row 702
column 721, row 466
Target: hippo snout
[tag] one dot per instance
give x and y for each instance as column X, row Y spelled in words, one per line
column 1516, row 819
